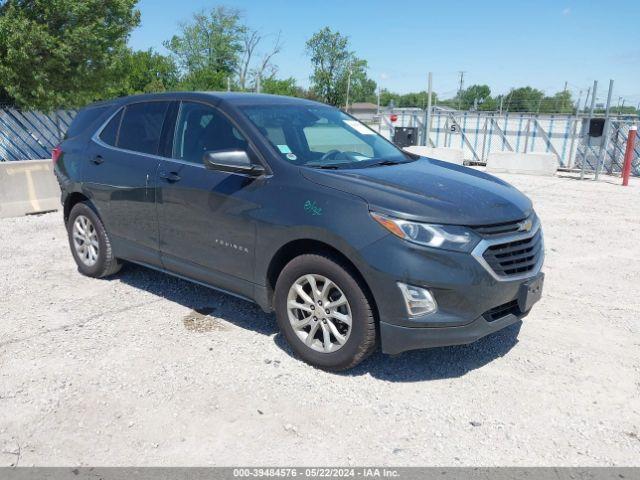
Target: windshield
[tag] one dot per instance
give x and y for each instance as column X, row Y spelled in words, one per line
column 322, row 137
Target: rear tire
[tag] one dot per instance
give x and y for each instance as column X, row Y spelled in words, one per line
column 89, row 242
column 316, row 298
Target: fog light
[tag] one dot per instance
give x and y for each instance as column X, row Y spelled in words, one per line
column 419, row 301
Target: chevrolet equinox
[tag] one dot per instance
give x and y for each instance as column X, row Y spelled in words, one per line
column 299, row 207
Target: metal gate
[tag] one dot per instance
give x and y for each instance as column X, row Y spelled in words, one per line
column 478, row 134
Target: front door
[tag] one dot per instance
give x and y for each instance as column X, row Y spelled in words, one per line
column 205, row 216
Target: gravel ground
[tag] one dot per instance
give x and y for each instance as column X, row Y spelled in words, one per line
column 145, row 369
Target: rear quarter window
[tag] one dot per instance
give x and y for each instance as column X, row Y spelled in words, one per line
column 109, row 134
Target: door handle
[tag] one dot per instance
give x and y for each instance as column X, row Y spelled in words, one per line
column 170, row 176
column 98, row 159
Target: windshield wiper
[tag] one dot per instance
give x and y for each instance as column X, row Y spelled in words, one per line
column 383, row 163
column 330, row 166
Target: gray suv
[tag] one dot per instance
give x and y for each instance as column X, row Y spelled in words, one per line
column 302, row 209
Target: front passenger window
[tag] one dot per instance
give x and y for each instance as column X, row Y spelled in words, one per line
column 202, row 129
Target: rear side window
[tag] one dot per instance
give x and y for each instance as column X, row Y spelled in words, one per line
column 109, row 134
column 141, row 127
column 83, row 119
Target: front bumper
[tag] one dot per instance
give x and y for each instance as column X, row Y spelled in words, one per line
column 472, row 302
column 398, row 339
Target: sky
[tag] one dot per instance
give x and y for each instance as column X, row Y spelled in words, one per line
column 504, row 44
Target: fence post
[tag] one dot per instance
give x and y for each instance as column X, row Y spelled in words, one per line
column 593, row 104
column 605, row 134
column 427, row 127
column 628, row 155
column 574, row 133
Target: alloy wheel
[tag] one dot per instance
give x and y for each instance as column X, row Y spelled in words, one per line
column 319, row 313
column 85, row 240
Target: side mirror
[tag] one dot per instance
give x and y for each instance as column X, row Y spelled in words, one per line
column 234, row 161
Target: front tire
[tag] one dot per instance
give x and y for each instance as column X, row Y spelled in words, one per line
column 324, row 313
column 90, row 243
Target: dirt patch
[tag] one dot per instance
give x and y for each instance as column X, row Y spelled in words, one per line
column 200, row 320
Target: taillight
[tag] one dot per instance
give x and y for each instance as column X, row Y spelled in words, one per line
column 56, row 153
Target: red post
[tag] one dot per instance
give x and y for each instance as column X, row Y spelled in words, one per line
column 628, row 155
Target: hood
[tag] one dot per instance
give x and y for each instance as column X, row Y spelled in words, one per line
column 430, row 191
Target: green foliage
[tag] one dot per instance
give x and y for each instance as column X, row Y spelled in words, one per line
column 331, row 59
column 473, row 97
column 525, row 99
column 286, row 86
column 363, row 89
column 210, row 41
column 204, row 80
column 413, row 99
column 561, row 102
column 143, row 71
column 60, row 53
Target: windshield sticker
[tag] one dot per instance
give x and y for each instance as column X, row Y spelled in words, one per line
column 312, row 208
column 292, row 156
column 284, row 149
column 358, row 127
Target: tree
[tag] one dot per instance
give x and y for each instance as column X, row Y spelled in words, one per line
column 264, row 68
column 144, row 71
column 363, row 89
column 211, row 41
column 285, row 86
column 473, row 96
column 525, row 99
column 331, row 59
column 204, row 80
column 561, row 102
column 60, row 53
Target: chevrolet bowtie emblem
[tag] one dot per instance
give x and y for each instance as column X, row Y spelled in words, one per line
column 525, row 225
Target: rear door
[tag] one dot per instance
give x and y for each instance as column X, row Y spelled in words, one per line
column 121, row 172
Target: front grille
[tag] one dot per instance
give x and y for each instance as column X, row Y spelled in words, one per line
column 502, row 311
column 498, row 228
column 516, row 257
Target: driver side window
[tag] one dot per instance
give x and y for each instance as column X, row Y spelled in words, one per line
column 200, row 129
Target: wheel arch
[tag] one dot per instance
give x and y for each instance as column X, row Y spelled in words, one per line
column 71, row 200
column 295, row 248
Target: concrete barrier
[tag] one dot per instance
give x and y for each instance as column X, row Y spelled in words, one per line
column 27, row 186
column 534, row 163
column 452, row 155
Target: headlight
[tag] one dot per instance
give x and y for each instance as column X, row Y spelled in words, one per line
column 449, row 237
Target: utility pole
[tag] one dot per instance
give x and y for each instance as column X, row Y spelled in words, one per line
column 501, row 100
column 460, row 88
column 258, row 84
column 622, row 107
column 378, row 100
column 348, row 88
column 228, row 84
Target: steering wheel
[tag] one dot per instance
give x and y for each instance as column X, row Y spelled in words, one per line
column 329, row 154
